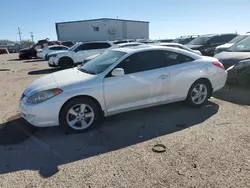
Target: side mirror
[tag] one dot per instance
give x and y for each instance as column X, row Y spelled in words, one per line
column 117, row 72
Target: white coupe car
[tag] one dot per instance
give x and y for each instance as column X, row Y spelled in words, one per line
column 43, row 53
column 119, row 80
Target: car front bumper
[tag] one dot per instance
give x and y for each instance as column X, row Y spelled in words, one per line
column 40, row 55
column 44, row 114
column 51, row 62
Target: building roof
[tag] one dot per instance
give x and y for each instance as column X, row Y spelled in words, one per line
column 102, row 19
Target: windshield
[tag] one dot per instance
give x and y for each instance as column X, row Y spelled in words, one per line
column 102, row 62
column 178, row 40
column 73, row 47
column 199, row 41
column 237, row 39
column 242, row 46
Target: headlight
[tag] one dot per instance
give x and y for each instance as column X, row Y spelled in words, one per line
column 243, row 64
column 43, row 96
column 52, row 55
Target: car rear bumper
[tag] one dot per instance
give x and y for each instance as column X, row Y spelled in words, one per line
column 218, row 81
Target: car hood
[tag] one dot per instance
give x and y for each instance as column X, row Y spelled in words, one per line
column 92, row 57
column 59, row 79
column 70, row 76
column 40, row 84
column 225, row 46
column 230, row 58
column 57, row 52
column 25, row 49
column 194, row 47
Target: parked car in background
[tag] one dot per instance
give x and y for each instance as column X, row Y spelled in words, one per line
column 224, row 47
column 206, row 44
column 184, row 39
column 67, row 43
column 165, row 40
column 43, row 53
column 76, row 54
column 4, row 51
column 145, row 41
column 177, row 45
column 237, row 60
column 11, row 47
column 123, row 41
column 119, row 80
column 122, row 45
column 27, row 53
column 31, row 51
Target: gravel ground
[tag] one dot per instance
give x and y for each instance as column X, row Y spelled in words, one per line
column 207, row 147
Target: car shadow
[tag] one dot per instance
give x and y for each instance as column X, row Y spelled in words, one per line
column 49, row 148
column 33, row 60
column 15, row 130
column 14, row 59
column 4, row 69
column 43, row 71
column 236, row 94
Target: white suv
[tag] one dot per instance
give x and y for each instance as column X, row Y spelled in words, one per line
column 77, row 53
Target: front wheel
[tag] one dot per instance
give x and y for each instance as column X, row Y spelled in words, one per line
column 46, row 57
column 198, row 93
column 65, row 63
column 80, row 115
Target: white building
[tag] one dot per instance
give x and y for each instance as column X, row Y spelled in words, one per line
column 101, row 30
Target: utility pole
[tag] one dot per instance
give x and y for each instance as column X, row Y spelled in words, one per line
column 32, row 36
column 19, row 33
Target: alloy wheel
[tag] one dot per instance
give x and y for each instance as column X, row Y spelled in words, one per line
column 199, row 94
column 80, row 116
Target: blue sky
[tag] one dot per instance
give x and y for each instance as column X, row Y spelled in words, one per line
column 168, row 18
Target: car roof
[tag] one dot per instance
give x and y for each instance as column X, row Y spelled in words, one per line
column 128, row 43
column 169, row 43
column 109, row 42
column 148, row 47
column 213, row 35
column 57, row 46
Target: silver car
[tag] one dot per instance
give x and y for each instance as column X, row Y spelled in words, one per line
column 120, row 80
column 177, row 45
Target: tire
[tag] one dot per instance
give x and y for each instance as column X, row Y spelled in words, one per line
column 65, row 63
column 74, row 119
column 199, row 93
column 46, row 57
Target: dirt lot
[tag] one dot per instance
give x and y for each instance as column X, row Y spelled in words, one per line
column 207, row 147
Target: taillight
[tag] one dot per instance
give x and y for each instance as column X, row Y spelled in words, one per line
column 219, row 64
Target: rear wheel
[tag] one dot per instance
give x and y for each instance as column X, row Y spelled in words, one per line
column 65, row 63
column 80, row 115
column 198, row 93
column 46, row 57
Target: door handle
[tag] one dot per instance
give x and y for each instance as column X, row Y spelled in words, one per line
column 163, row 76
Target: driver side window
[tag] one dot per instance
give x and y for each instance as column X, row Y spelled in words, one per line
column 149, row 60
column 136, row 63
column 80, row 48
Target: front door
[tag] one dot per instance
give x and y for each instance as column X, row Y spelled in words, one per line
column 145, row 82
